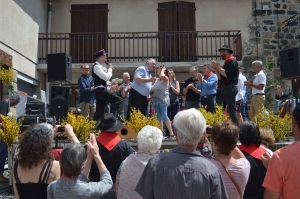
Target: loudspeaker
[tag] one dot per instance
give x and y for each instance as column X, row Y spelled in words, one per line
column 59, row 100
column 290, row 63
column 59, row 67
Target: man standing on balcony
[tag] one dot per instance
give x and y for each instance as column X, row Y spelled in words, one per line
column 101, row 75
column 140, row 87
column 192, row 94
column 228, row 79
column 87, row 94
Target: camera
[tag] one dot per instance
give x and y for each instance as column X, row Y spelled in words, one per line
column 61, row 129
column 166, row 72
column 208, row 130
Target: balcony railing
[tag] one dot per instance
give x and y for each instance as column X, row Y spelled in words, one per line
column 139, row 46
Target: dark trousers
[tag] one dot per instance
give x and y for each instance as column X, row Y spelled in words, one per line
column 244, row 110
column 209, row 102
column 102, row 97
column 172, row 111
column 137, row 101
column 227, row 96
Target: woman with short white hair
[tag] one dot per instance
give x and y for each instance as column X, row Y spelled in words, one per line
column 149, row 142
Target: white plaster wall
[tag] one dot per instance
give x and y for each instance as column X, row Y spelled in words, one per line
column 19, row 32
column 37, row 10
column 142, row 15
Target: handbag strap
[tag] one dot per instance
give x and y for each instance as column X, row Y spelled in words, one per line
column 232, row 179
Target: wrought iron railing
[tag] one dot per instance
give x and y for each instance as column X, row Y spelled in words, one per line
column 139, row 46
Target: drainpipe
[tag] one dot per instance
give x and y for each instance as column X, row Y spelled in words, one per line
column 49, row 18
column 49, row 23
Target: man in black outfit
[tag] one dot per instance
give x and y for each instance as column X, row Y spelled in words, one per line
column 228, row 79
column 192, row 94
column 101, row 75
column 4, row 109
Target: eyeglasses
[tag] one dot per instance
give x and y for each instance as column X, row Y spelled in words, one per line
column 85, row 68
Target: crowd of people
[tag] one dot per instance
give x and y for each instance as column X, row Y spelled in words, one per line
column 108, row 167
column 224, row 85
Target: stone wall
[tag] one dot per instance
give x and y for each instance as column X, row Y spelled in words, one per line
column 268, row 32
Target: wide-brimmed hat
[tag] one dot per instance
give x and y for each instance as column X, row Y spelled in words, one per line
column 226, row 47
column 108, row 123
column 100, row 53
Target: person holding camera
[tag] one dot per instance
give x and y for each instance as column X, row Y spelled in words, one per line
column 87, row 94
column 161, row 99
column 101, row 75
column 75, row 163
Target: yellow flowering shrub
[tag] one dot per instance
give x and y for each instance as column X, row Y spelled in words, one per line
column 137, row 120
column 82, row 126
column 212, row 118
column 10, row 130
column 6, row 74
column 280, row 126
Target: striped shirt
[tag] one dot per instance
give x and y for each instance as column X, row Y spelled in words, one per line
column 181, row 174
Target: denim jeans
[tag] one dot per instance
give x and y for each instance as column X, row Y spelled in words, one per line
column 209, row 102
column 192, row 104
column 161, row 112
column 3, row 155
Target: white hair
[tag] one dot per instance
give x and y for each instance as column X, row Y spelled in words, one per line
column 258, row 62
column 149, row 139
column 190, row 125
column 150, row 60
column 126, row 74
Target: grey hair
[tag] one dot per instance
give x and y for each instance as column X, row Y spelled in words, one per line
column 46, row 128
column 208, row 66
column 258, row 62
column 126, row 73
column 194, row 68
column 149, row 139
column 72, row 159
column 150, row 60
column 189, row 125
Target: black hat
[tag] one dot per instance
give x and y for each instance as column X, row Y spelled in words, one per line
column 226, row 47
column 108, row 123
column 296, row 113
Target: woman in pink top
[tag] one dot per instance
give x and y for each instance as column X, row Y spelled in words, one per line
column 228, row 156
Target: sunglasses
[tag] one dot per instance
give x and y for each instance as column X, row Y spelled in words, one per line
column 85, row 68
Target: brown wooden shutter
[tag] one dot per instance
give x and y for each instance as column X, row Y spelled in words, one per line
column 187, row 22
column 167, row 25
column 92, row 21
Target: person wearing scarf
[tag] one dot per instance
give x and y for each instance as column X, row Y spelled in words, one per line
column 250, row 138
column 228, row 79
column 112, row 149
column 208, row 87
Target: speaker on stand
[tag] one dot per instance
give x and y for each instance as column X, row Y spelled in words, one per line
column 59, row 67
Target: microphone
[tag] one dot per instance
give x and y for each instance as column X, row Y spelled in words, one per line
column 108, row 64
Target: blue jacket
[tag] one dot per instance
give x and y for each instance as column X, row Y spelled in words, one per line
column 85, row 83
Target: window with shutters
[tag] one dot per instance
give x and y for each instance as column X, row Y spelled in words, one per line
column 177, row 36
column 92, row 19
